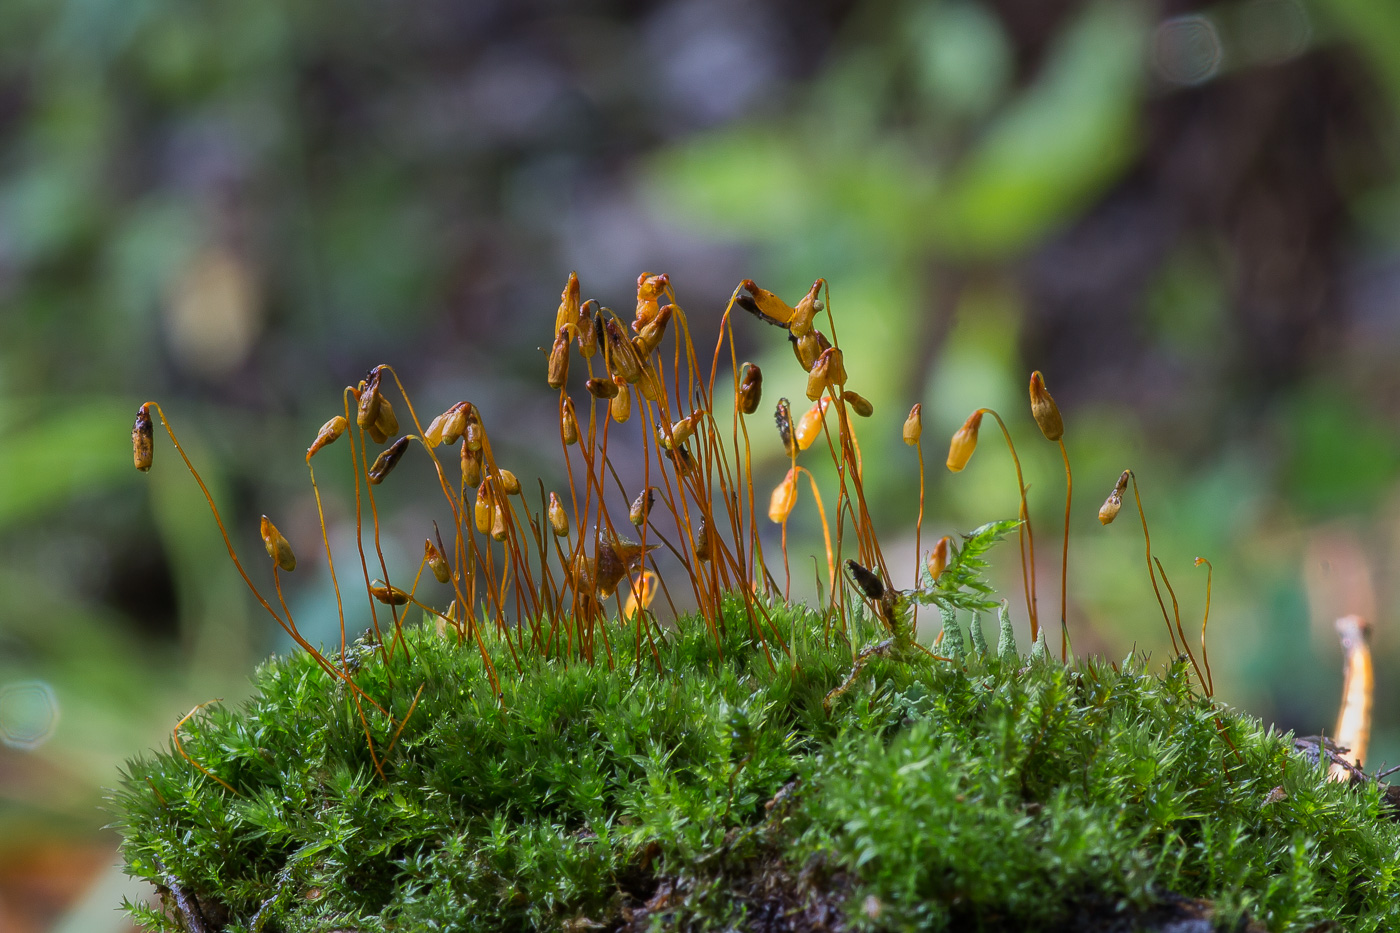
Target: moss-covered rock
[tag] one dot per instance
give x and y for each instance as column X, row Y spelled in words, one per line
column 702, row 784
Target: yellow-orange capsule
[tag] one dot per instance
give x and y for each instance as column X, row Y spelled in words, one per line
column 649, row 290
column 828, row 370
column 509, row 483
column 1109, row 510
column 1044, row 409
column 964, row 442
column 568, row 424
column 914, row 425
column 385, row 422
column 621, row 355
column 810, row 425
column 641, row 507
column 750, row 388
column 589, row 326
column 432, row 434
column 681, row 432
column 454, row 423
column 471, row 466
column 646, row 384
column 498, row 522
column 436, row 562
column 784, row 497
column 474, row 433
column 143, row 439
column 367, row 411
column 808, row 347
column 858, row 404
column 558, row 518
column 567, row 315
column 650, row 335
column 387, row 460
column 641, row 594
column 559, row 360
column 764, row 304
column 620, row 406
column 388, row 595
column 330, row 433
column 938, row 558
column 782, row 417
column 602, row 388
column 481, row 511
column 807, row 309
column 277, row 546
column 704, row 547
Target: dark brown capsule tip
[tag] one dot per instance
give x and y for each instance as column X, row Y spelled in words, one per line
column 387, row 460
column 867, row 582
column 601, row 388
column 143, row 438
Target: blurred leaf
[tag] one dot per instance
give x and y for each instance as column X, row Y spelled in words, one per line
column 64, row 456
column 1375, row 28
column 1062, row 141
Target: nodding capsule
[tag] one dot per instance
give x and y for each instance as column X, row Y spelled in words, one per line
column 590, row 329
column 650, row 335
column 558, row 518
column 143, row 439
column 436, row 562
column 453, row 423
column 964, row 442
column 763, row 304
column 481, row 511
column 810, row 346
column 474, row 434
column 388, row 595
column 828, row 370
column 750, row 388
column 367, row 410
column 602, row 388
column 620, row 407
column 1109, row 510
column 784, row 497
column 385, row 421
column 681, row 432
column 330, row 433
column 807, row 309
column 498, row 521
column 277, row 546
column 1044, row 410
column 568, row 424
column 867, row 582
column 641, row 507
column 621, row 355
column 914, row 425
column 509, row 483
column 782, row 416
column 558, row 373
column 858, row 404
column 387, row 460
column 704, row 547
column 471, row 466
column 810, row 424
column 685, row 463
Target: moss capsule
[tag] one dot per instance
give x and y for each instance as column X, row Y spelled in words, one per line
column 386, row 461
column 558, row 373
column 436, row 562
column 750, row 388
column 388, row 595
column 784, row 498
column 558, row 518
column 858, row 404
column 964, row 442
column 1044, row 409
column 277, row 546
column 914, row 425
column 330, row 433
column 641, row 507
column 143, row 439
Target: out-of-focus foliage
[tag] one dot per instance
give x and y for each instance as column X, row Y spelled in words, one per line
column 1185, row 215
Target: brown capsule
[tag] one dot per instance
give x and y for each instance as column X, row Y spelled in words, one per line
column 914, row 425
column 685, row 463
column 620, row 407
column 750, row 388
column 330, row 433
column 938, row 558
column 807, row 309
column 388, row 595
column 1044, row 409
column 559, row 360
column 387, row 460
column 964, row 442
column 1109, row 510
column 509, row 483
column 652, row 333
column 784, row 498
column 143, row 438
column 471, row 466
column 376, row 435
column 858, row 404
column 810, row 425
column 568, row 424
column 782, row 416
column 602, row 388
column 764, row 304
column 866, row 581
column 621, row 355
column 649, row 289
column 703, row 546
column 277, row 547
column 828, row 370
column 454, row 422
column 567, row 315
column 385, row 421
column 498, row 522
column 647, row 385
column 558, row 518
column 436, row 562
column 590, row 329
column 367, row 411
column 641, row 506
column 482, row 509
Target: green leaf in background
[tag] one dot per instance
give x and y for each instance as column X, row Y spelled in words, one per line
column 73, row 452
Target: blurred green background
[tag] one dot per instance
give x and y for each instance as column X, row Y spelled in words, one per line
column 1187, row 215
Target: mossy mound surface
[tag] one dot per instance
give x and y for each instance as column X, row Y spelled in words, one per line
column 707, row 787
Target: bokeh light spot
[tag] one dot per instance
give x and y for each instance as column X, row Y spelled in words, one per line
column 28, row 714
column 1186, row 50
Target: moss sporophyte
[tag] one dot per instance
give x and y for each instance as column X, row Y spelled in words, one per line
column 543, row 751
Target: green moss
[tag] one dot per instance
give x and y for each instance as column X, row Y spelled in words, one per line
column 992, row 793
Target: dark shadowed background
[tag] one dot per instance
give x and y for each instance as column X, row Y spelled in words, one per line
column 1187, row 215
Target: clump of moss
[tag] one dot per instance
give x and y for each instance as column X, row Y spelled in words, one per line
column 714, row 790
